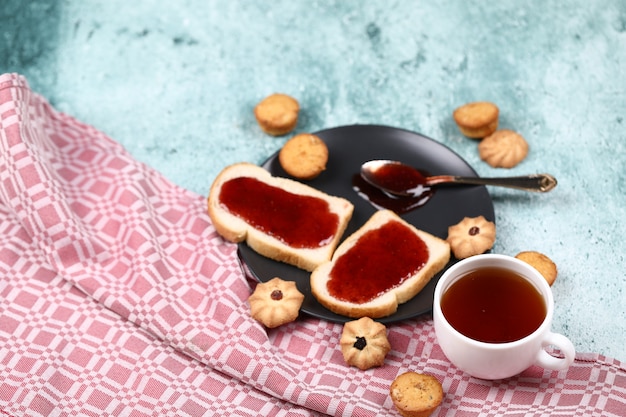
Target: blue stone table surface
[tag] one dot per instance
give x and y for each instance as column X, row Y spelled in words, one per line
column 176, row 82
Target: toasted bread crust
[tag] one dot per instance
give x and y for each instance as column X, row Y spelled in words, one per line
column 235, row 229
column 386, row 303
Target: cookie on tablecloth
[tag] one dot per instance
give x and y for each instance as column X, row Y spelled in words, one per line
column 364, row 343
column 416, row 395
column 275, row 302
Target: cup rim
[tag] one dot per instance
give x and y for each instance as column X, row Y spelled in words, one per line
column 546, row 292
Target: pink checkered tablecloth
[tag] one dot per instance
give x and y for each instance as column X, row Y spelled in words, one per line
column 117, row 297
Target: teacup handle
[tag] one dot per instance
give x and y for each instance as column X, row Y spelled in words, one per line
column 545, row 360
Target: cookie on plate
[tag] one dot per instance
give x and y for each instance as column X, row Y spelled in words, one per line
column 277, row 114
column 477, row 120
column 541, row 263
column 471, row 236
column 503, row 149
column 275, row 302
column 304, row 156
column 364, row 343
column 416, row 395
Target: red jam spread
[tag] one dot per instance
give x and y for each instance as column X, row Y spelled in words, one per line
column 296, row 220
column 381, row 259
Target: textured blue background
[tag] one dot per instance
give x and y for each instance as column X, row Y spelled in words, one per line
column 175, row 83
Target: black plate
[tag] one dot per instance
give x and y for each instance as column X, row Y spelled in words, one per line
column 349, row 147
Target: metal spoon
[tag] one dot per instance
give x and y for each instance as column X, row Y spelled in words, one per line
column 398, row 179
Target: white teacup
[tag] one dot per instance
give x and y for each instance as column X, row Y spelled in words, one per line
column 488, row 360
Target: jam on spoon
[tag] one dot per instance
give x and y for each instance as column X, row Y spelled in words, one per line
column 402, row 180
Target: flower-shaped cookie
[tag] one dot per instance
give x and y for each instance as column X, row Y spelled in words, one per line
column 472, row 236
column 275, row 302
column 364, row 343
column 503, row 149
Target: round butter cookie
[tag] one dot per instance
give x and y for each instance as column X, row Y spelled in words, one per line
column 304, row 156
column 416, row 395
column 471, row 236
column 277, row 114
column 364, row 343
column 477, row 120
column 275, row 302
column 503, row 149
column 541, row 263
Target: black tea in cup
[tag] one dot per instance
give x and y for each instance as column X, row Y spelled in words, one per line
column 493, row 305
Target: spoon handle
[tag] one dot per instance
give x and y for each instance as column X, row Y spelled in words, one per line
column 534, row 182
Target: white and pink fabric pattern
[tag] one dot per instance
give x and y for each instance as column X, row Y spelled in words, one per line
column 117, row 297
